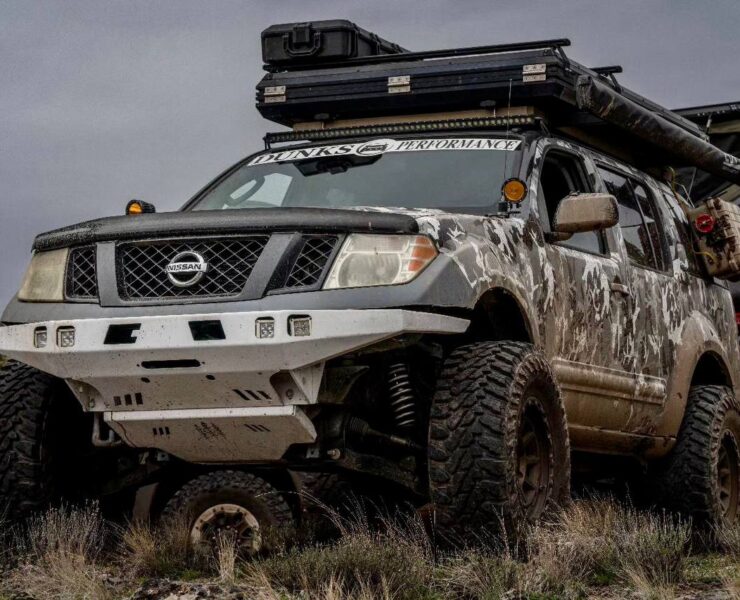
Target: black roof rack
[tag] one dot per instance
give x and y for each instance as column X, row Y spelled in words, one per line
column 721, row 111
column 585, row 103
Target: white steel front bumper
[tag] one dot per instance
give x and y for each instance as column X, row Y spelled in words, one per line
column 235, row 399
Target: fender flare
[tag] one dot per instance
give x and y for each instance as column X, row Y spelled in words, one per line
column 699, row 337
column 524, row 306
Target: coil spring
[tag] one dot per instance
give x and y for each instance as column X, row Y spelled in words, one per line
column 402, row 398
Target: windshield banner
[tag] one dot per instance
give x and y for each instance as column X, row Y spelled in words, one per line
column 375, row 147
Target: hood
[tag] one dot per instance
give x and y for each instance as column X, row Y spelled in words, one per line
column 219, row 222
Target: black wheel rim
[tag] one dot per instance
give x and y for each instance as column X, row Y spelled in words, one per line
column 728, row 477
column 533, row 459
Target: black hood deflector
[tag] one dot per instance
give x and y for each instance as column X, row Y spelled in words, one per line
column 219, row 222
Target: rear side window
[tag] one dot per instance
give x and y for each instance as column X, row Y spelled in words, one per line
column 638, row 220
column 685, row 237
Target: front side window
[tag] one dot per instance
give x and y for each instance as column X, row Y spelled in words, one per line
column 456, row 174
column 637, row 220
column 562, row 175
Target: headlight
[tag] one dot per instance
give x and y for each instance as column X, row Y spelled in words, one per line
column 44, row 279
column 367, row 260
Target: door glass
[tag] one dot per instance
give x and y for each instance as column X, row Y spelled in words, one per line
column 652, row 225
column 636, row 234
column 561, row 175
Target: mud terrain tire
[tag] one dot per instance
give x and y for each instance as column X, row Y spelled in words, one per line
column 701, row 477
column 494, row 400
column 322, row 491
column 35, row 409
column 253, row 494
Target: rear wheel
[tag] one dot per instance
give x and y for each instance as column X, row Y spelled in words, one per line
column 498, row 442
column 701, row 477
column 240, row 505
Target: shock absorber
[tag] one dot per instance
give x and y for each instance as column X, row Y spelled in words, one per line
column 401, row 395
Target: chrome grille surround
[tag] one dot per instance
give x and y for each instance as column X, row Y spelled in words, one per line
column 312, row 260
column 141, row 267
column 81, row 281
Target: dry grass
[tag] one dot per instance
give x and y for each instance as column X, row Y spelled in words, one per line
column 478, row 575
column 394, row 559
column 161, row 551
column 731, row 585
column 728, row 539
column 226, row 555
column 59, row 554
column 593, row 548
column 600, row 542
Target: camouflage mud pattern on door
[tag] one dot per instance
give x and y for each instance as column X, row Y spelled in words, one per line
column 624, row 359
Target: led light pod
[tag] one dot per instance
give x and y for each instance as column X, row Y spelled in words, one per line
column 40, row 337
column 299, row 326
column 265, row 328
column 65, row 337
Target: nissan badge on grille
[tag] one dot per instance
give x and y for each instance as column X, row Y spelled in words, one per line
column 186, row 269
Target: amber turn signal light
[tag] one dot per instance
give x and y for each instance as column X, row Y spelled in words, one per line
column 138, row 207
column 514, row 190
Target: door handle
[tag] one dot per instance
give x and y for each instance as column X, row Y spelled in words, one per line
column 619, row 288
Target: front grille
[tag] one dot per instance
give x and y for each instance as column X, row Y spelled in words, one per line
column 142, row 267
column 309, row 266
column 82, row 279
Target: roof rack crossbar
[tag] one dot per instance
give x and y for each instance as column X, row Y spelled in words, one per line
column 556, row 44
column 610, row 70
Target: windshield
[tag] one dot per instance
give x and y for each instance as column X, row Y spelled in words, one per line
column 456, row 174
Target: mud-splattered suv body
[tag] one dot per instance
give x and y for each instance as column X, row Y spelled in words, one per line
column 624, row 317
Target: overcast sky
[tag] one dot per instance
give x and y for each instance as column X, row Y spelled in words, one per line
column 103, row 101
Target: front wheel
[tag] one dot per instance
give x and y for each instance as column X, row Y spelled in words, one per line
column 498, row 441
column 44, row 442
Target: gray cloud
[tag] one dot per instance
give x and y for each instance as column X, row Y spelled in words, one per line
column 102, row 101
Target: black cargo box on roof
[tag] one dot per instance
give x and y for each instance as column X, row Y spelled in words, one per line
column 536, row 73
column 587, row 104
column 291, row 45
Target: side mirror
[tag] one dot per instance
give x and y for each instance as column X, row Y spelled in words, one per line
column 584, row 212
